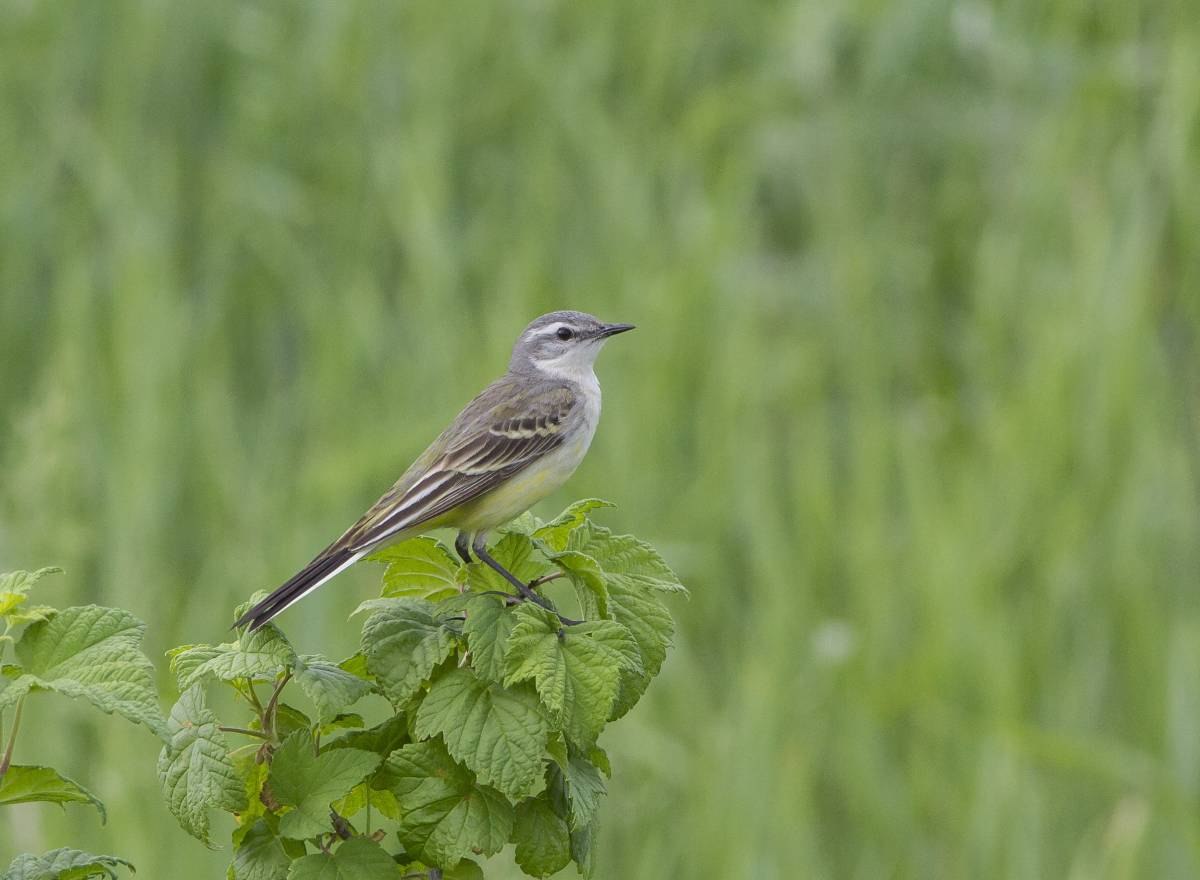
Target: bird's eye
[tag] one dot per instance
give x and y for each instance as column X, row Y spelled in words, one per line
column 564, row 333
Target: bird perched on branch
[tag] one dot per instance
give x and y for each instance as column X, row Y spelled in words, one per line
column 515, row 443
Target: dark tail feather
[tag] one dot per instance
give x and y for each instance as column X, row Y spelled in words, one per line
column 308, row 578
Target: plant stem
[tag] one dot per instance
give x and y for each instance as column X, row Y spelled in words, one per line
column 273, row 704
column 12, row 738
column 245, row 731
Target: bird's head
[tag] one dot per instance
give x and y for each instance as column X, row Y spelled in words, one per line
column 562, row 344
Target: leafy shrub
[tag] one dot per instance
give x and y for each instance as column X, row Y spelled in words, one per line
column 490, row 737
column 89, row 652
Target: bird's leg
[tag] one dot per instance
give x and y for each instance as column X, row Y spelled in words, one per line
column 527, row 594
column 480, row 548
column 462, row 545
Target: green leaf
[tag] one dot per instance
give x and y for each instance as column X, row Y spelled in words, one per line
column 93, row 653
column 258, row 656
column 497, row 733
column 29, row 614
column 310, row 783
column 633, row 573
column 444, row 813
column 543, row 842
column 583, row 850
column 194, row 768
column 421, row 568
column 356, row 859
column 487, row 626
column 586, row 574
column 652, row 627
column 343, row 721
column 329, row 686
column 555, row 534
column 625, row 558
column 63, row 864
column 23, row 785
column 382, row 739
column 464, row 870
column 585, row 787
column 250, row 766
column 15, row 587
column 289, row 719
column 577, row 670
column 362, row 795
column 356, row 665
column 516, row 553
column 525, row 524
column 404, row 642
column 261, row 855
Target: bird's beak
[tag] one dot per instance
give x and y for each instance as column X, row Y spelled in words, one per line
column 613, row 329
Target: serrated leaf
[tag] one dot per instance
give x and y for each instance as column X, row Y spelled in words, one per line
column 557, row 532
column 517, row 554
column 583, row 849
column 21, row 582
column 355, row 859
column 421, row 568
column 633, row 573
column 330, row 687
column 499, row 734
column 382, row 739
column 587, row 575
column 464, row 870
column 343, row 721
column 310, row 783
column 288, row 720
column 89, row 652
column 194, row 768
column 652, row 627
column 525, row 524
column 625, row 558
column 543, row 842
column 258, row 656
column 261, row 854
column 252, row 770
column 63, row 864
column 362, row 796
column 585, row 787
column 576, row 670
column 356, row 665
column 487, row 626
column 445, row 814
column 403, row 642
column 23, row 785
column 29, row 614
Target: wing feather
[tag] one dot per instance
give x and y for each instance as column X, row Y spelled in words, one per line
column 504, row 430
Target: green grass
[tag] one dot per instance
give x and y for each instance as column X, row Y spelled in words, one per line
column 912, row 406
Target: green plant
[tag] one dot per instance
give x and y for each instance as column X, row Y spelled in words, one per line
column 490, row 734
column 86, row 651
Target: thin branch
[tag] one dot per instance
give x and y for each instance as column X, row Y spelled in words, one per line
column 245, row 731
column 273, row 705
column 12, row 738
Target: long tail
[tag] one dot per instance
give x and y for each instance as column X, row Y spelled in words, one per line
column 298, row 586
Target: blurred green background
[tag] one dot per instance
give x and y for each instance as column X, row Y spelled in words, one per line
column 913, row 406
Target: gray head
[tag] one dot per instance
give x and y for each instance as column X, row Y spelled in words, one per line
column 562, row 344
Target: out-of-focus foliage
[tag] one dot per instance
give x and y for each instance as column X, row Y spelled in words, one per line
column 912, row 406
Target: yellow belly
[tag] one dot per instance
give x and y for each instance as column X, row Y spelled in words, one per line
column 521, row 491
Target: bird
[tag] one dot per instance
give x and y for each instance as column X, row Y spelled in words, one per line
column 520, row 439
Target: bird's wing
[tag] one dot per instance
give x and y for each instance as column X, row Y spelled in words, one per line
column 505, row 429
